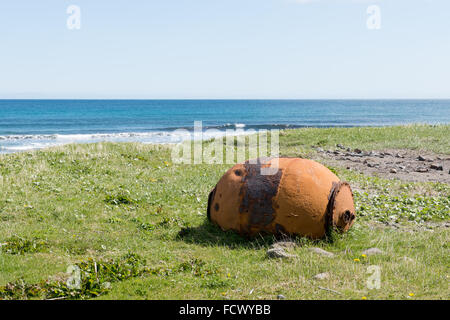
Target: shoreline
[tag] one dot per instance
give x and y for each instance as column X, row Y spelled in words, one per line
column 8, row 143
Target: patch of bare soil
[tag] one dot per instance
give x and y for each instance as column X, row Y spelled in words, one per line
column 408, row 165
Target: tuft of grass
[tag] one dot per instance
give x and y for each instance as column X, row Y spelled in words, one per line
column 20, row 246
column 92, row 279
column 119, row 199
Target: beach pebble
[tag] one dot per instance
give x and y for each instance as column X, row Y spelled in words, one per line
column 322, row 276
column 321, row 252
column 393, row 170
column 421, row 170
column 372, row 252
column 421, row 158
column 437, row 167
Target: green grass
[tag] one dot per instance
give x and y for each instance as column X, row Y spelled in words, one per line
column 97, row 205
column 415, row 137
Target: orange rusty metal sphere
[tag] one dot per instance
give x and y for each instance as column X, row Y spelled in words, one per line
column 303, row 198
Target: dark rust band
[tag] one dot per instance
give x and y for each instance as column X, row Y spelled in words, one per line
column 257, row 194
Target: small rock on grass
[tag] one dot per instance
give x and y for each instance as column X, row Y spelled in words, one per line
column 322, row 276
column 438, row 167
column 322, row 252
column 278, row 253
column 281, row 297
column 283, row 244
column 372, row 252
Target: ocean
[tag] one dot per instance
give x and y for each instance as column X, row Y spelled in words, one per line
column 35, row 124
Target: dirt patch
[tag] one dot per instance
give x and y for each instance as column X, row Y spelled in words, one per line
column 408, row 165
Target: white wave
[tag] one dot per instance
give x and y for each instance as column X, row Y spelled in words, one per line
column 17, row 143
column 27, row 137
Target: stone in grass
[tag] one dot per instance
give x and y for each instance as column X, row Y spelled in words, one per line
column 283, row 244
column 372, row 252
column 322, row 252
column 278, row 253
column 281, row 297
column 438, row 167
column 420, row 158
column 322, row 276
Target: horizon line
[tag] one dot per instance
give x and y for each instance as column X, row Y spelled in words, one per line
column 214, row 99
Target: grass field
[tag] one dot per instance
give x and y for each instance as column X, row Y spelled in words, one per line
column 135, row 225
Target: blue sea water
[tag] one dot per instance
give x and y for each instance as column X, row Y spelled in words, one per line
column 33, row 124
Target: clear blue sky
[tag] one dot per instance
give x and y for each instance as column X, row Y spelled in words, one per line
column 225, row 49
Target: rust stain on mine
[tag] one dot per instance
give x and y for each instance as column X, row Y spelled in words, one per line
column 257, row 192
